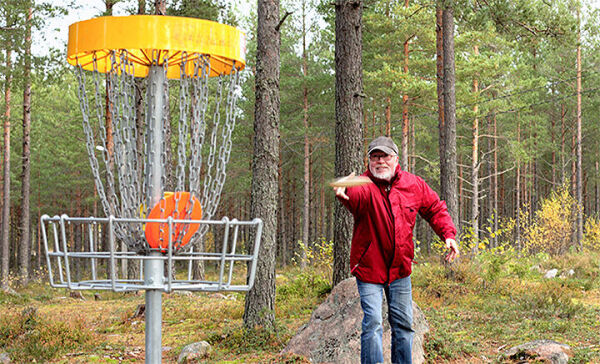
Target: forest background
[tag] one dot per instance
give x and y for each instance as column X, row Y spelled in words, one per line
column 518, row 108
column 521, row 55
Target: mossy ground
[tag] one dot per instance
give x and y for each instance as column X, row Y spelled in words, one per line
column 479, row 307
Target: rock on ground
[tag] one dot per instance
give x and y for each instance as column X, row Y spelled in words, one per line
column 4, row 358
column 546, row 351
column 194, row 352
column 333, row 333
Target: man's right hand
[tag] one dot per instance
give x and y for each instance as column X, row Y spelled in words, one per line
column 341, row 191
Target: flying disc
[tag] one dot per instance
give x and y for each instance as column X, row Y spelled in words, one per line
column 350, row 181
column 179, row 206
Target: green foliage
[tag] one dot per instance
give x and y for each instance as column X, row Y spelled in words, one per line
column 301, row 286
column 319, row 255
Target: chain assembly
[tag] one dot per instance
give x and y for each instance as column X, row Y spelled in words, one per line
column 112, row 135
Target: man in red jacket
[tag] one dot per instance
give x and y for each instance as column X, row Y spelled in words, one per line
column 382, row 247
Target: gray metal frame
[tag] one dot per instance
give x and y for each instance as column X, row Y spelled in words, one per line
column 60, row 256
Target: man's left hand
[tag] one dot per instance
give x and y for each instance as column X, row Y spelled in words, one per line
column 453, row 247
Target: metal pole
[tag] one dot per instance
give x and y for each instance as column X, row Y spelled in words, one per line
column 153, row 275
column 154, row 268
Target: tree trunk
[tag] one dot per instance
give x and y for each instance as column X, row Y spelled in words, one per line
column 439, row 42
column 388, row 116
column 281, row 214
column 413, row 148
column 306, row 201
column 518, row 193
column 553, row 143
column 25, row 245
column 405, row 120
column 475, row 163
column 449, row 178
column 563, row 131
column 160, row 7
column 579, row 194
column 6, row 178
column 496, row 210
column 260, row 301
column 348, row 116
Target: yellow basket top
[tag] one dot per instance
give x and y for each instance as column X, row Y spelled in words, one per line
column 149, row 37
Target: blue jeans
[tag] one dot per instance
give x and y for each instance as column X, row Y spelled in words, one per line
column 400, row 316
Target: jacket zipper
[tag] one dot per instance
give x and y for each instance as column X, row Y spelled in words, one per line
column 388, row 206
column 361, row 256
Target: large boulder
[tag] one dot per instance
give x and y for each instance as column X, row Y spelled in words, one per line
column 333, row 333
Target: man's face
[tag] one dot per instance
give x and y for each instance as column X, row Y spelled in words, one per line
column 382, row 165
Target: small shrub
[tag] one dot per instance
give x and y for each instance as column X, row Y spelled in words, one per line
column 318, row 255
column 552, row 299
column 305, row 284
column 449, row 283
column 552, row 225
column 591, row 234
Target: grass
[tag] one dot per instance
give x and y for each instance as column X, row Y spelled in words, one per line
column 483, row 305
column 477, row 312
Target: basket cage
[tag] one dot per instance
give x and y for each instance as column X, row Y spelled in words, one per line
column 84, row 254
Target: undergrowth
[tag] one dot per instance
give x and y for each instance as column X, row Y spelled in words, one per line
column 501, row 299
column 31, row 337
column 475, row 308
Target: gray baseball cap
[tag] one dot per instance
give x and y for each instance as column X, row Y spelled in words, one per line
column 384, row 144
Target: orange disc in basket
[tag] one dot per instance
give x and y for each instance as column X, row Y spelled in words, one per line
column 179, row 206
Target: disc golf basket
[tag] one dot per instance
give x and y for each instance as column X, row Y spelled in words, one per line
column 159, row 186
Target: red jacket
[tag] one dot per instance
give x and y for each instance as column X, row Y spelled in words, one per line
column 382, row 247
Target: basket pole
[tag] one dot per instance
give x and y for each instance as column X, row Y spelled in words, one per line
column 154, row 268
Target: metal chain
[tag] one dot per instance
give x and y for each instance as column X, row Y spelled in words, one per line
column 198, row 128
column 90, row 141
column 183, row 128
column 129, row 197
column 165, row 121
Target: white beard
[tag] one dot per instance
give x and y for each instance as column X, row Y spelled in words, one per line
column 386, row 176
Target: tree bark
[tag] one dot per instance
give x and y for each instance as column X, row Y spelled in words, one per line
column 475, row 163
column 25, row 245
column 281, row 214
column 518, row 193
column 6, row 164
column 260, row 301
column 405, row 120
column 439, row 42
column 348, row 116
column 160, row 7
column 306, row 200
column 448, row 180
column 495, row 183
column 579, row 188
column 563, row 131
